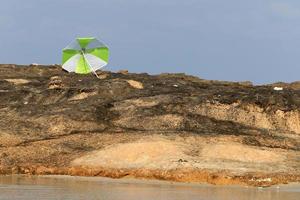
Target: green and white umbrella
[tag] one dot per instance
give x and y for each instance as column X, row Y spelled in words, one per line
column 85, row 55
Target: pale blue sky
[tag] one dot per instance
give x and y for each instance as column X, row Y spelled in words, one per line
column 257, row 40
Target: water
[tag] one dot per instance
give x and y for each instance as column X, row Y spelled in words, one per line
column 75, row 188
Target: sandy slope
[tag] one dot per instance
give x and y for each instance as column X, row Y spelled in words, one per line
column 158, row 152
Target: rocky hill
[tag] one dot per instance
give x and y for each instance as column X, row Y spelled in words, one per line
column 168, row 126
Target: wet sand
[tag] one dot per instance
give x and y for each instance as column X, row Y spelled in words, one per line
column 67, row 187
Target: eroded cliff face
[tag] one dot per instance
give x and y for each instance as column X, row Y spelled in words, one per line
column 252, row 115
column 59, row 123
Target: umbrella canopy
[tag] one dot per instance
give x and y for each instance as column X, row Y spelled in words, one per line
column 85, row 55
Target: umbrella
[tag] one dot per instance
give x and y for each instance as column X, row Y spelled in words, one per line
column 85, row 55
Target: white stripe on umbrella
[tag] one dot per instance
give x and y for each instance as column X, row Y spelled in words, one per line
column 71, row 64
column 95, row 62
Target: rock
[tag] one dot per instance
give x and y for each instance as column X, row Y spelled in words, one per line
column 278, row 88
column 55, row 82
column 135, row 84
column 18, row 81
column 82, row 95
column 182, row 160
column 125, row 72
column 103, row 76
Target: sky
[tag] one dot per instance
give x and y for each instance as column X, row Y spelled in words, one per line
column 234, row 40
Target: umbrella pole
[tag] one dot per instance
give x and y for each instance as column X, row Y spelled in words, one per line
column 90, row 66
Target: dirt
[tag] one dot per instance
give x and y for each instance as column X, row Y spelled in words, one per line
column 168, row 126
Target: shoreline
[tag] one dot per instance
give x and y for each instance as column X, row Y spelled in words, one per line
column 191, row 176
column 143, row 181
column 62, row 186
column 126, row 180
